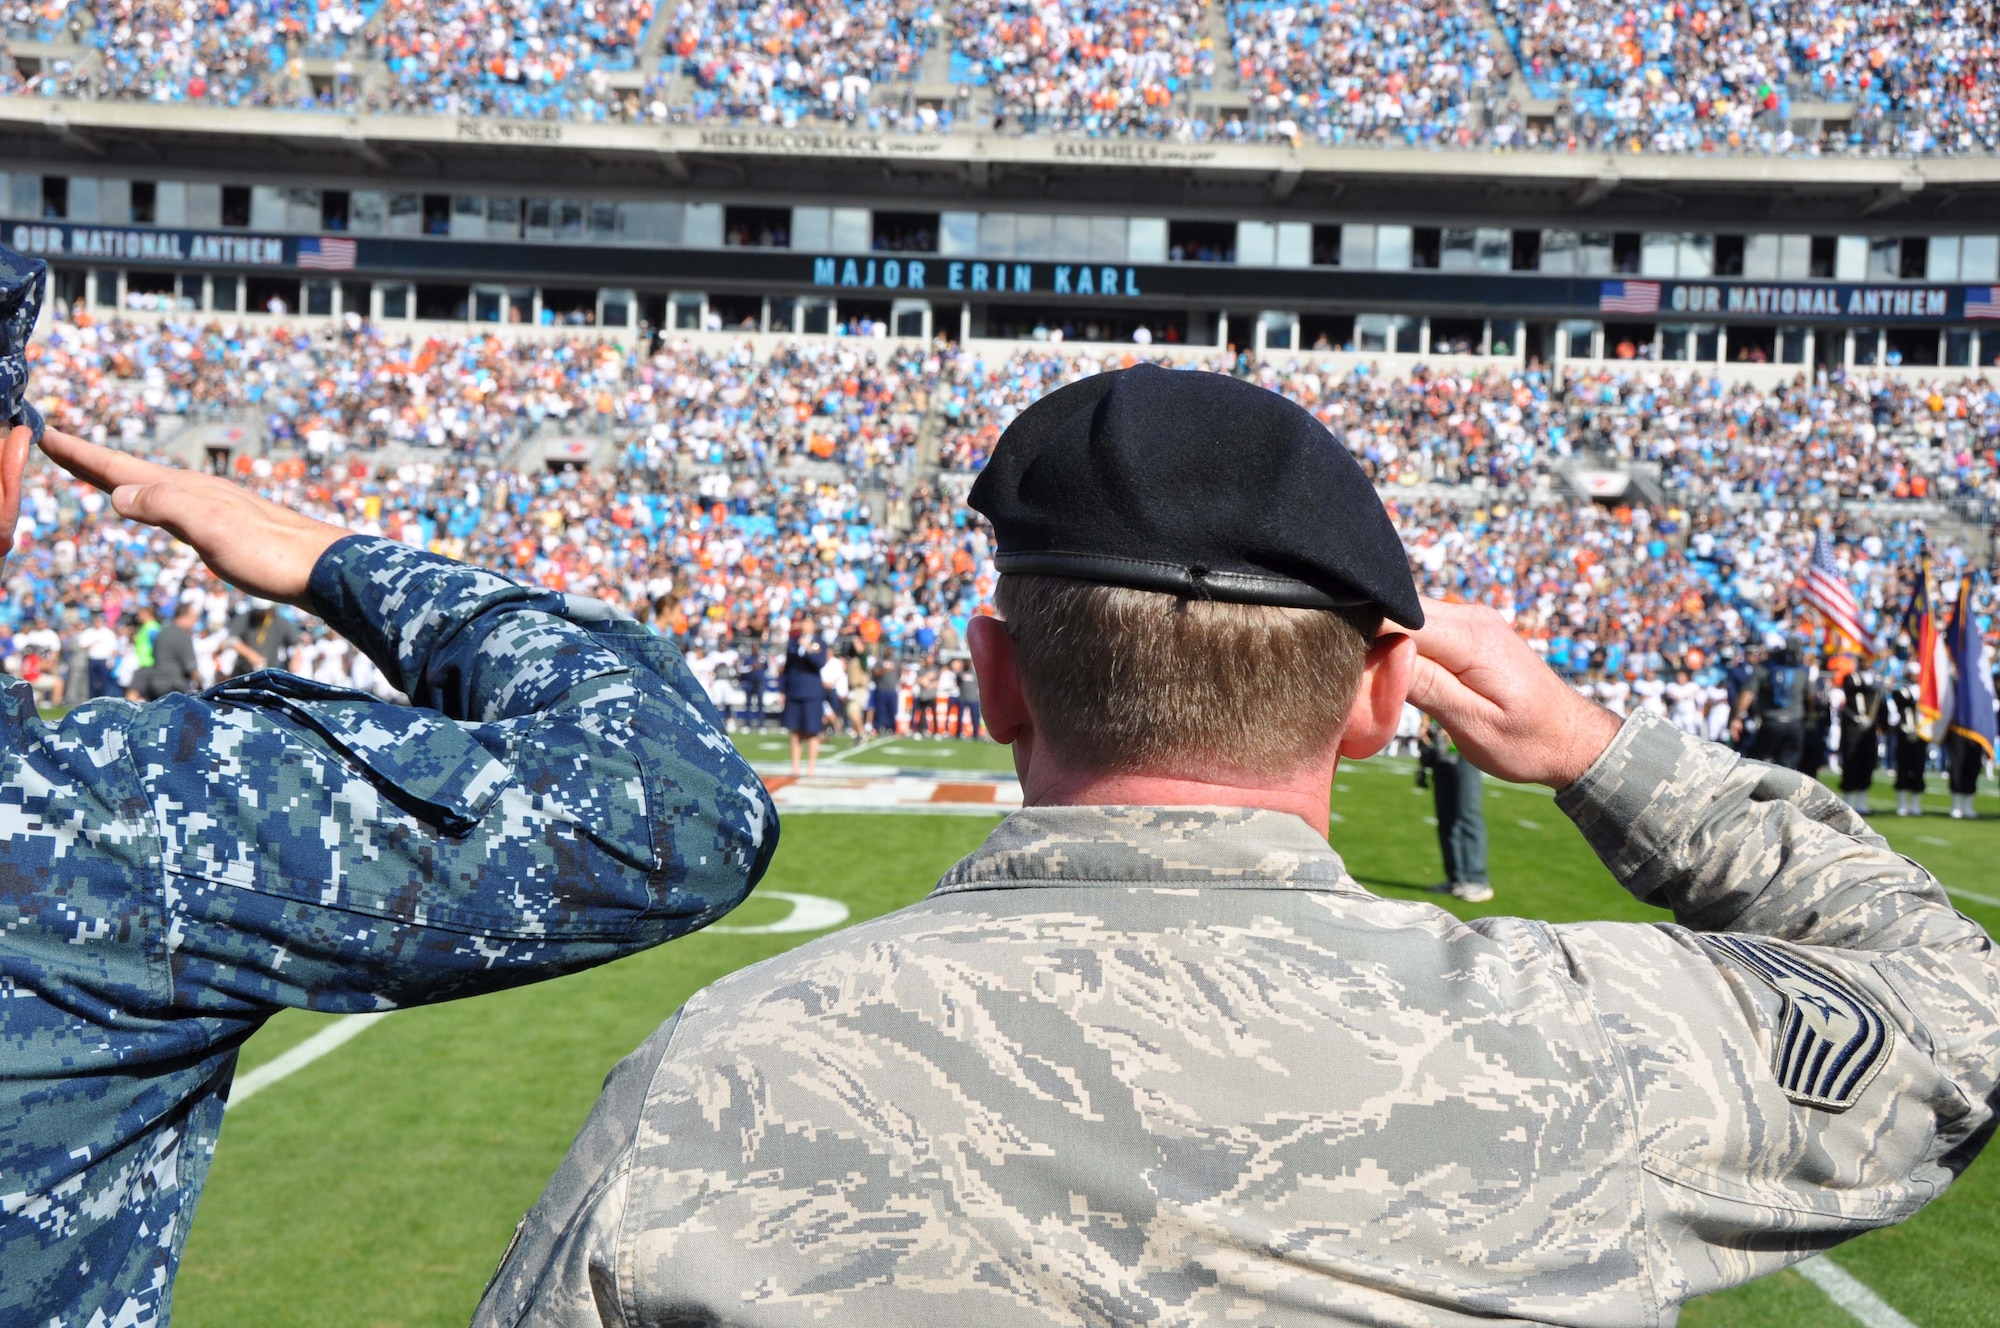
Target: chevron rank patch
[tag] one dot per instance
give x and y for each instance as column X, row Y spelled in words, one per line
column 1831, row 1040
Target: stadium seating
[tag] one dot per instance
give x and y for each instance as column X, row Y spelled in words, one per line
column 480, row 395
column 1701, row 77
column 804, row 59
column 1346, row 71
column 738, row 498
column 1110, row 68
column 1917, row 77
column 243, row 54
column 531, row 59
column 1852, row 438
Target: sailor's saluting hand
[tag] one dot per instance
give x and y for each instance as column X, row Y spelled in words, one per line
column 252, row 543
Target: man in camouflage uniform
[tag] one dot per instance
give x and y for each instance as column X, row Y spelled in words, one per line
column 173, row 873
column 1151, row 1055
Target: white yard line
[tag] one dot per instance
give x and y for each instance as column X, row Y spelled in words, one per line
column 1989, row 900
column 846, row 752
column 334, row 1036
column 1851, row 1294
column 809, row 913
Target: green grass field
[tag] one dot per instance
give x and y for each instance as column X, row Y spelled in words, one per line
column 378, row 1186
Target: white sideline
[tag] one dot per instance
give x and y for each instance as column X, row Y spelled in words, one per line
column 1977, row 898
column 809, row 913
column 859, row 747
column 1851, row 1293
column 335, row 1035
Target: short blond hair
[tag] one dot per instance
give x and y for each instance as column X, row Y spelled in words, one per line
column 1126, row 681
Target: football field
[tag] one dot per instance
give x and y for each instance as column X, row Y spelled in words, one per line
column 374, row 1173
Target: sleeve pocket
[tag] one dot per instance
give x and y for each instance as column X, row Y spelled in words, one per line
column 1812, row 1207
column 430, row 767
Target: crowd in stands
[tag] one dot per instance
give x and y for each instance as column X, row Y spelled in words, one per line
column 1847, row 436
column 1112, row 67
column 1610, row 592
column 1852, row 437
column 348, row 389
column 1916, row 77
column 1685, row 77
column 862, row 402
column 530, row 59
column 720, row 565
column 779, row 61
column 1347, row 71
column 240, row 54
column 752, row 492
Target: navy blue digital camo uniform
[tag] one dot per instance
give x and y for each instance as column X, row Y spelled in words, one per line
column 170, row 874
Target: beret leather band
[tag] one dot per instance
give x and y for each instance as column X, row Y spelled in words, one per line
column 1174, row 579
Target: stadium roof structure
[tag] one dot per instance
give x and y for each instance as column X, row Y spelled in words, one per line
column 751, row 159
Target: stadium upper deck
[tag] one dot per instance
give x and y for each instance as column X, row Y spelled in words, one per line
column 477, row 163
column 1691, row 76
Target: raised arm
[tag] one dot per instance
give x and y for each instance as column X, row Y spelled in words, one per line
column 557, row 794
column 1815, row 1049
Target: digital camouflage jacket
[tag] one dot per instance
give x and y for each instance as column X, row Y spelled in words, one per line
column 1132, row 1065
column 558, row 794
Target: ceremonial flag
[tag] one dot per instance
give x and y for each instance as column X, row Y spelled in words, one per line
column 326, row 255
column 1629, row 297
column 1827, row 590
column 1934, row 687
column 1972, row 699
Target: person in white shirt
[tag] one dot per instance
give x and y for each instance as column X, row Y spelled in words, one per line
column 99, row 644
column 1651, row 694
column 726, row 684
column 1715, row 697
column 1615, row 693
column 948, row 693
column 1684, row 698
column 1409, row 732
column 212, row 655
column 701, row 663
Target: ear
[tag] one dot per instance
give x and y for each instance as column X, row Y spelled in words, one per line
column 1378, row 699
column 1005, row 707
column 13, row 465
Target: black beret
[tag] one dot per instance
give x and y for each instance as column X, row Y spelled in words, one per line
column 21, row 283
column 1196, row 484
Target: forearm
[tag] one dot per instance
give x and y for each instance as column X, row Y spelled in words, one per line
column 570, row 804
column 1731, row 844
column 471, row 643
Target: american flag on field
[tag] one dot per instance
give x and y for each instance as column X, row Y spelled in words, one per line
column 326, row 255
column 1827, row 590
column 1629, row 297
column 1982, row 301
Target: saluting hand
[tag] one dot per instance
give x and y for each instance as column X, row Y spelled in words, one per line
column 1504, row 707
column 253, row 544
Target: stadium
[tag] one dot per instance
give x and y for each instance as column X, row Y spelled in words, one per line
column 715, row 312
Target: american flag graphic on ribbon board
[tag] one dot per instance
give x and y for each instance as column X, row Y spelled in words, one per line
column 1827, row 590
column 1629, row 297
column 1982, row 301
column 326, row 255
